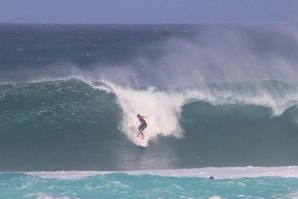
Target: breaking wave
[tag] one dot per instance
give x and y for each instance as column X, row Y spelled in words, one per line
column 77, row 116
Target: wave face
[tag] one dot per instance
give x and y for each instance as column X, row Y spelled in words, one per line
column 57, row 125
column 215, row 95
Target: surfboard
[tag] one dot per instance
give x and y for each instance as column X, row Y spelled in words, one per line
column 141, row 142
column 140, row 137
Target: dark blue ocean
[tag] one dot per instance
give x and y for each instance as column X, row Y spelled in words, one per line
column 216, row 96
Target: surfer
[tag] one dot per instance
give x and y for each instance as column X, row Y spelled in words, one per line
column 142, row 126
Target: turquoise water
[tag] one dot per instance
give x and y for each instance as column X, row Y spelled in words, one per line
column 120, row 185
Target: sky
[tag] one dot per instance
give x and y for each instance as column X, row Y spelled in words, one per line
column 150, row 11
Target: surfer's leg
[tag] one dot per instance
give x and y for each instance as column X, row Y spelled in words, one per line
column 141, row 129
column 142, row 134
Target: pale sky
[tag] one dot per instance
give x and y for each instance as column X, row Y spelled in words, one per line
column 150, row 11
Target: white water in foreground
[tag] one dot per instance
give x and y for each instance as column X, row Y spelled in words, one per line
column 216, row 172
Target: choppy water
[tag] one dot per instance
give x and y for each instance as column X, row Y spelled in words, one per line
column 194, row 183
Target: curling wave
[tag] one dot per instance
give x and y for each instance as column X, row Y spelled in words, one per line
column 72, row 120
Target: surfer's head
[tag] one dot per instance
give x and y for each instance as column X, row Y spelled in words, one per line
column 138, row 115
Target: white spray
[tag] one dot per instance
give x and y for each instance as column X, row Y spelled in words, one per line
column 161, row 108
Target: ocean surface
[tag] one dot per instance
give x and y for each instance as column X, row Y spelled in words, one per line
column 217, row 97
column 236, row 182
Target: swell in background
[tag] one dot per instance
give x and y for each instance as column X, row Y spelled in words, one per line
column 154, row 55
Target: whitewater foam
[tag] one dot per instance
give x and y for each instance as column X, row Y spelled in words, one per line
column 45, row 196
column 161, row 108
column 216, row 172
